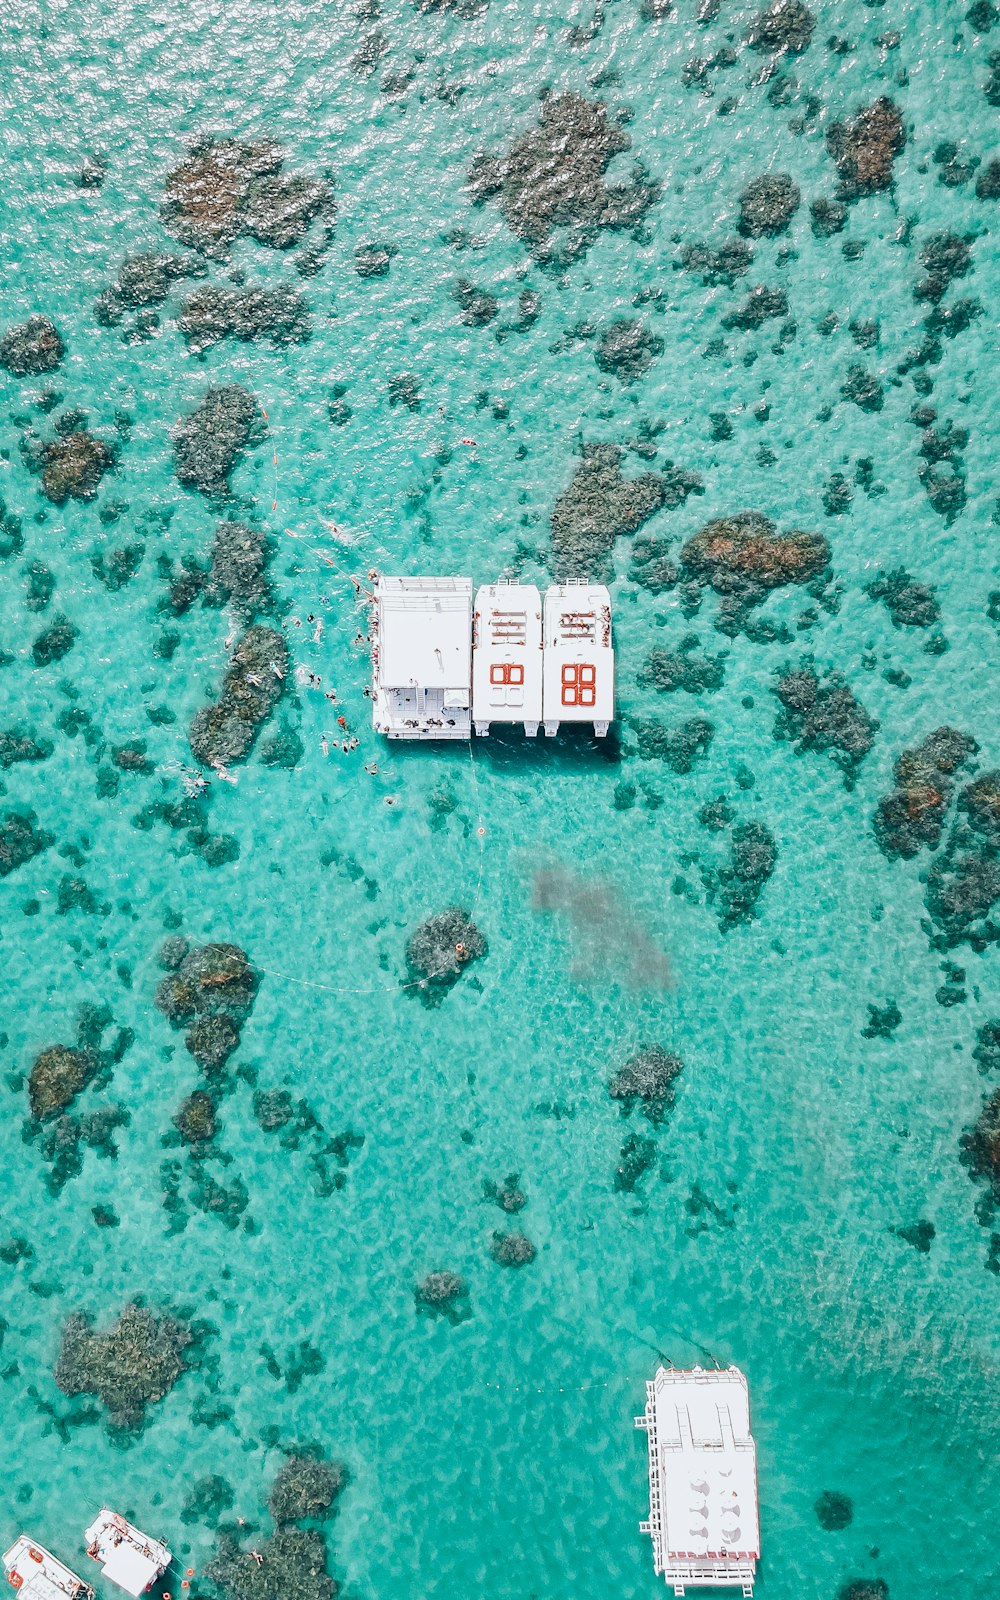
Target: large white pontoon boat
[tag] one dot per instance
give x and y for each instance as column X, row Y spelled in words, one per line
column 703, row 1517
column 128, row 1558
column 440, row 668
column 38, row 1575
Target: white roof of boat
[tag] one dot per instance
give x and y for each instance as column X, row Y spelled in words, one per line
column 43, row 1576
column 129, row 1557
column 707, row 1464
column 425, row 633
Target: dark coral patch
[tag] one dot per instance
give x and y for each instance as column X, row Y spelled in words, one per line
column 551, row 184
column 736, row 887
column 627, row 349
column 668, row 670
column 823, row 714
column 228, row 187
column 864, row 148
column 225, row 731
column 440, row 950
column 31, row 347
column 767, row 205
column 744, row 557
column 211, row 439
column 913, row 815
column 599, row 506
column 128, row 1368
column 443, row 1294
column 910, row 604
column 512, row 1249
column 211, row 314
column 72, row 464
column 680, row 746
column 648, row 1081
column 784, row 28
column 142, row 281
column 20, row 839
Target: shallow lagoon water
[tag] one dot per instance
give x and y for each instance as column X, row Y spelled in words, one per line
column 497, row 1456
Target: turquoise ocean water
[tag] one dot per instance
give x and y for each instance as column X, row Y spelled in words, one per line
column 497, row 1457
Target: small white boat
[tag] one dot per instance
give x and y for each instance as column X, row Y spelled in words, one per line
column 130, row 1559
column 38, row 1575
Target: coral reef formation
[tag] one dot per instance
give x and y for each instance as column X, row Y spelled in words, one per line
column 440, row 950
column 636, row 1158
column 210, row 981
column 679, row 746
column 443, row 1294
column 743, row 557
column 767, row 205
column 133, row 1365
column 627, row 349
column 31, row 347
column 551, row 185
column 718, row 266
column 143, row 280
column 238, row 573
column 508, row 1195
column 73, row 463
column 668, row 670
column 910, row 603
column 211, row 314
column 306, row 1489
column 648, row 1080
column 599, row 506
column 211, row 439
column 225, row 731
column 760, row 306
column 735, row 888
column 864, row 148
column 512, row 1249
column 225, row 188
column 783, row 28
column 20, row 839
column 823, row 714
column 57, row 1076
column 913, row 814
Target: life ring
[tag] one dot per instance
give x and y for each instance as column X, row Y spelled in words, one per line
column 15, row 1579
column 36, row 1555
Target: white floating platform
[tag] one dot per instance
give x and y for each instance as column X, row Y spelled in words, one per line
column 422, row 657
column 128, row 1558
column 507, row 656
column 579, row 669
column 439, row 670
column 36, row 1573
column 703, row 1517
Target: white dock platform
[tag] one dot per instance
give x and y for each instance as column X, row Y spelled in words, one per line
column 128, row 1558
column 422, row 657
column 579, row 661
column 507, row 656
column 703, row 1516
column 38, row 1575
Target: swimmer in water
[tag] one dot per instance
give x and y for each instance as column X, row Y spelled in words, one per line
column 325, row 745
column 371, row 767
